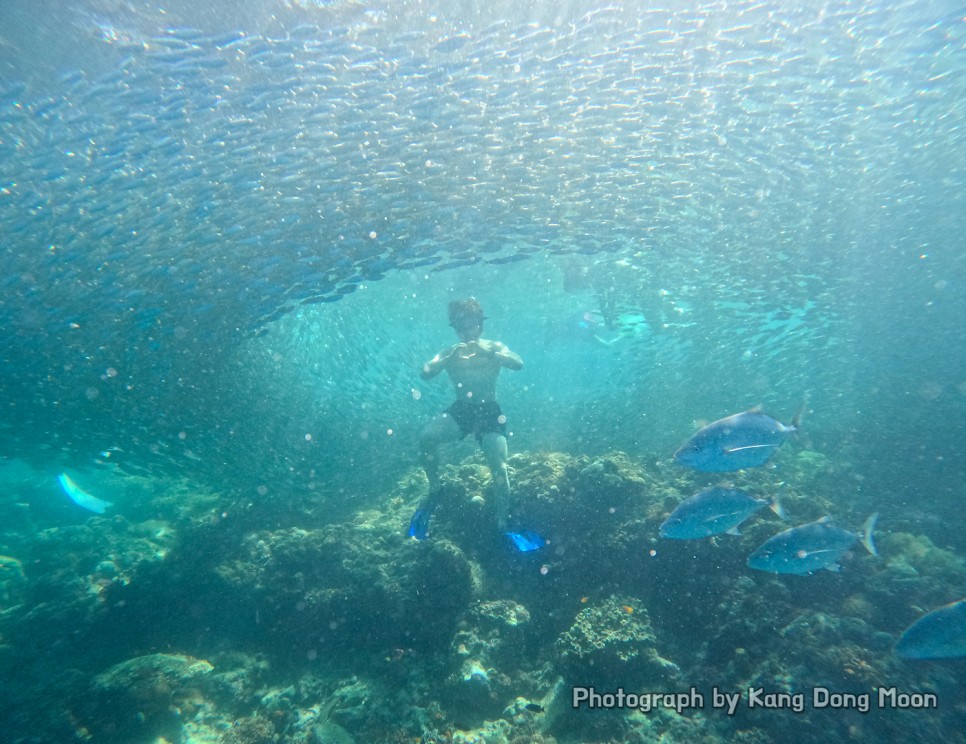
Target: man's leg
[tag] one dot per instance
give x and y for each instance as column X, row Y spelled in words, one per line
column 440, row 430
column 495, row 450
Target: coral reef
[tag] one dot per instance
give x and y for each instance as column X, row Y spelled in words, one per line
column 143, row 697
column 348, row 585
column 352, row 631
column 611, row 643
column 13, row 583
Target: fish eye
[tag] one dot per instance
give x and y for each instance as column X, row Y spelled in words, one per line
column 696, row 448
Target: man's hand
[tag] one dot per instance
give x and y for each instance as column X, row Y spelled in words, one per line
column 489, row 349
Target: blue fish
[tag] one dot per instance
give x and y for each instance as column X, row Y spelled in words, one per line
column 526, row 541
column 713, row 511
column 744, row 440
column 80, row 497
column 806, row 549
column 940, row 634
column 419, row 524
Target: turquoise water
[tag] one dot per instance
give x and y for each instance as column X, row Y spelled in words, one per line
column 230, row 236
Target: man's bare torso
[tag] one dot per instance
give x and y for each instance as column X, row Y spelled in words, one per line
column 473, row 369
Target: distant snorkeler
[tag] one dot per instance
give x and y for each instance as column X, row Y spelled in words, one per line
column 473, row 366
column 588, row 326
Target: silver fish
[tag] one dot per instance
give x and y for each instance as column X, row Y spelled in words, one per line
column 811, row 547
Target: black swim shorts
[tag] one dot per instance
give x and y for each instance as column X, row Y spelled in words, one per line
column 478, row 418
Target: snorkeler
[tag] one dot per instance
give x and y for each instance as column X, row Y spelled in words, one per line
column 473, row 366
column 587, row 326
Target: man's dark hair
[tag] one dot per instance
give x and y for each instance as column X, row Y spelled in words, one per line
column 463, row 313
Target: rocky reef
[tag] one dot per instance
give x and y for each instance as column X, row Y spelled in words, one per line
column 611, row 644
column 208, row 619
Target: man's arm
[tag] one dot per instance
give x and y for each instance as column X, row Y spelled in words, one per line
column 438, row 363
column 506, row 357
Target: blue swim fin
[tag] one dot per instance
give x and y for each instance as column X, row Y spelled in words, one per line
column 419, row 524
column 525, row 540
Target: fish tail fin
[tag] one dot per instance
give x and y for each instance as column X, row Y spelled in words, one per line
column 776, row 506
column 866, row 533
